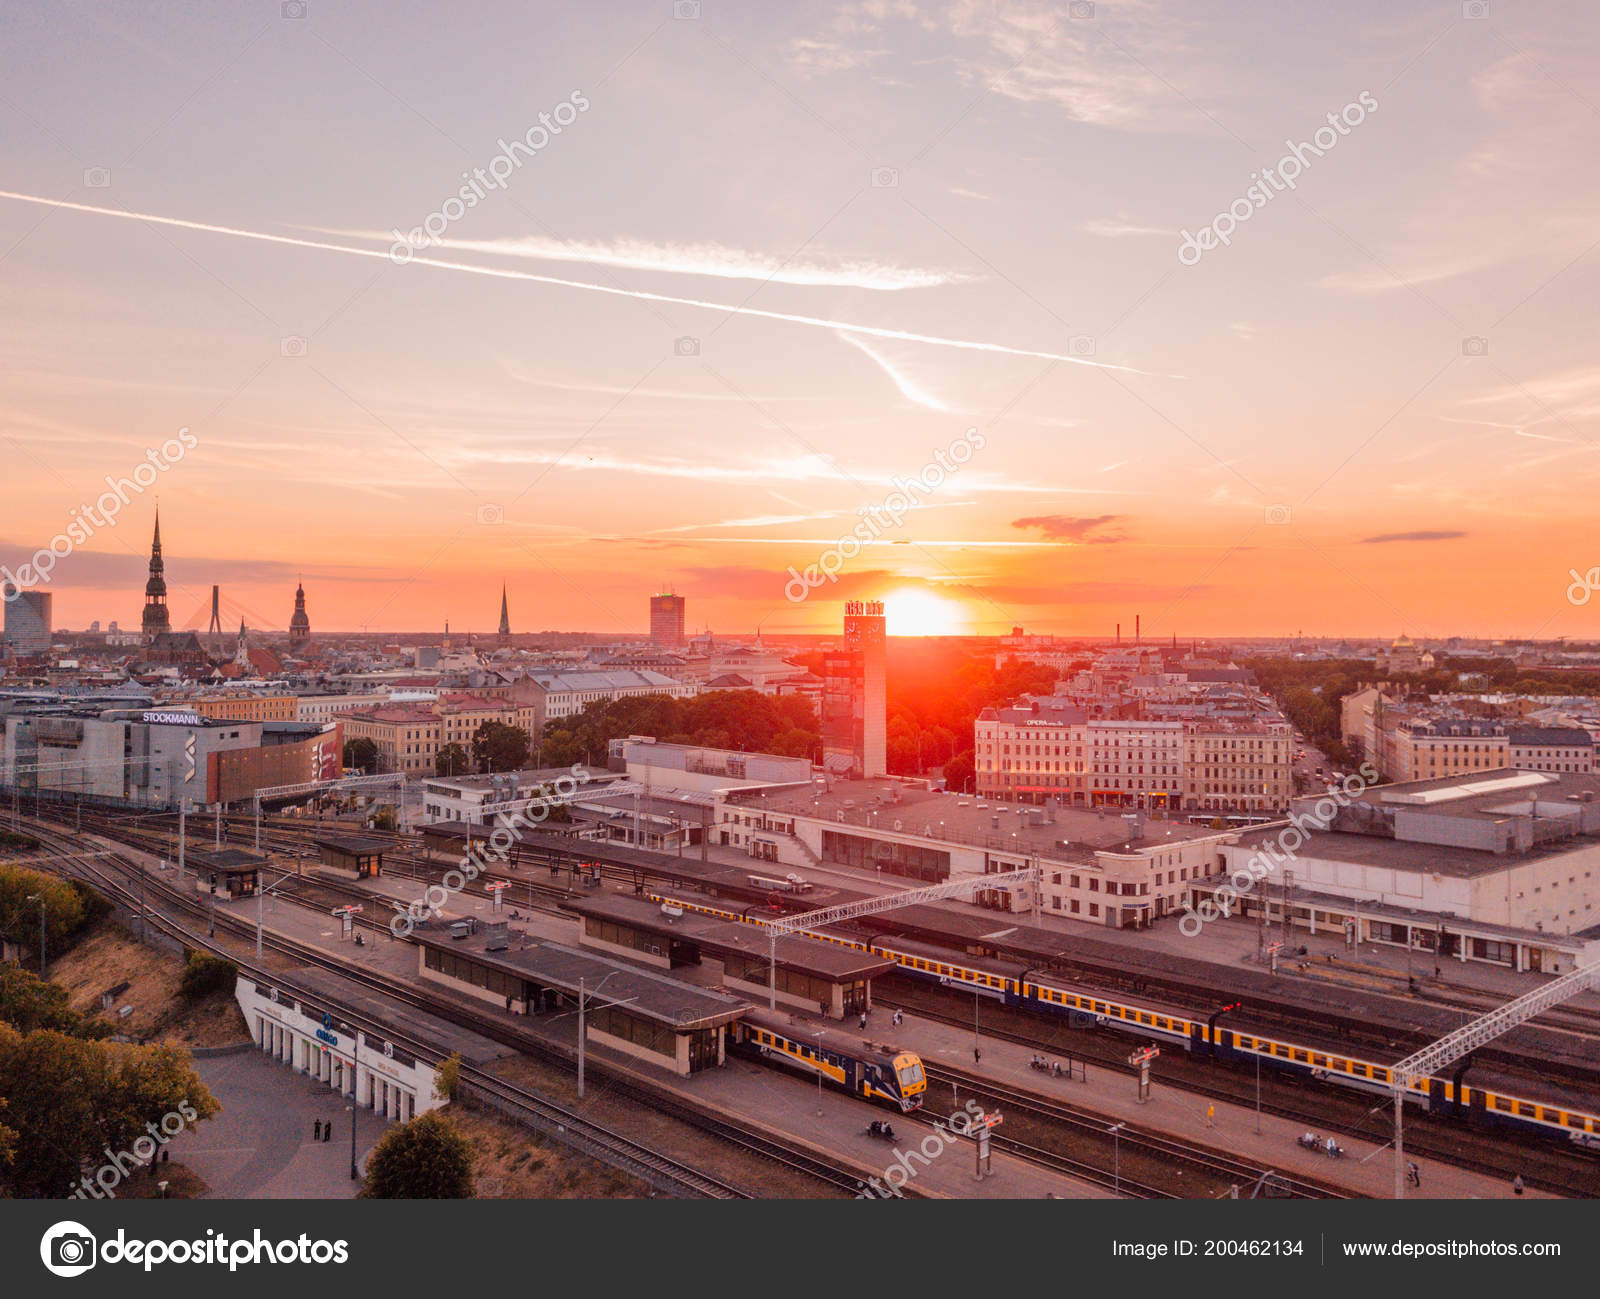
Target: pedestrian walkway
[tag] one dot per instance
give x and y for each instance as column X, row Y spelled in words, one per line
column 262, row 1146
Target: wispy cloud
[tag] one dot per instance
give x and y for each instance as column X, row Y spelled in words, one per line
column 1384, row 538
column 1069, row 527
column 909, row 390
column 711, row 259
column 1120, row 229
column 504, row 273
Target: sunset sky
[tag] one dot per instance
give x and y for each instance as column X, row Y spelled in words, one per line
column 799, row 250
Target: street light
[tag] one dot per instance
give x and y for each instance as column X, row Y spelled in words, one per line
column 1116, row 1158
column 355, row 1082
column 39, row 898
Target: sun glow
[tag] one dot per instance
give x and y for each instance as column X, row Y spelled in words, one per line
column 916, row 612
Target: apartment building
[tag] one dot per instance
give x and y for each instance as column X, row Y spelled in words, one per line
column 407, row 738
column 240, row 706
column 461, row 717
column 1043, row 752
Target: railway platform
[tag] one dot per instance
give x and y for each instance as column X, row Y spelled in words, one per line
column 1366, row 1170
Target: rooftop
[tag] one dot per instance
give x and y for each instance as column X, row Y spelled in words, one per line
column 808, row 955
column 649, row 995
column 890, row 807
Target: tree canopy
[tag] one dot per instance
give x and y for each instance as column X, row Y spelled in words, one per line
column 69, row 1101
column 425, row 1159
column 498, row 747
column 745, row 721
column 451, row 760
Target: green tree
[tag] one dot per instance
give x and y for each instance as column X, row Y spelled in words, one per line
column 425, row 1159
column 64, row 911
column 447, row 1078
column 959, row 772
column 69, row 1101
column 498, row 747
column 29, row 1003
column 362, row 754
column 204, row 974
column 452, row 760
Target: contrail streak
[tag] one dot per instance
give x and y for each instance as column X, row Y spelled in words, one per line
column 502, row 273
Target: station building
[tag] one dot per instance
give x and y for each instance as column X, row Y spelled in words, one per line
column 351, row 854
column 1499, row 866
column 380, row 1075
column 1123, row 870
column 810, row 975
column 673, row 1025
column 228, row 873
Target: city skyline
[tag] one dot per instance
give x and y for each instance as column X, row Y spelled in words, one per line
column 653, row 352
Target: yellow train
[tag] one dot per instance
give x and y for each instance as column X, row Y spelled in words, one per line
column 1016, row 984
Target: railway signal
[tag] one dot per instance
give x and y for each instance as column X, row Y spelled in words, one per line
column 1141, row 1059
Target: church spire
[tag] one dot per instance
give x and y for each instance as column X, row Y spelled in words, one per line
column 505, row 615
column 155, row 618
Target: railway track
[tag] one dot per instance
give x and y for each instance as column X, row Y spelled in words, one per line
column 1324, row 1109
column 1139, row 1145
column 569, row 1125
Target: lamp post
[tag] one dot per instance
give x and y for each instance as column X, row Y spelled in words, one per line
column 1116, row 1158
column 259, row 904
column 39, row 898
column 355, row 1084
column 1258, row 1093
column 583, row 1002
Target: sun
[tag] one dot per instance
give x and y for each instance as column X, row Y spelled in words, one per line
column 913, row 611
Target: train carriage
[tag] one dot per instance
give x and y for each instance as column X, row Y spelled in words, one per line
column 1019, row 985
column 874, row 1072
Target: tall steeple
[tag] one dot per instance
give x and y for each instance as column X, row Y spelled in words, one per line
column 505, row 617
column 155, row 619
column 299, row 624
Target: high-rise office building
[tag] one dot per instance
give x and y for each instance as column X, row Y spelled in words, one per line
column 666, row 621
column 27, row 620
column 854, row 695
